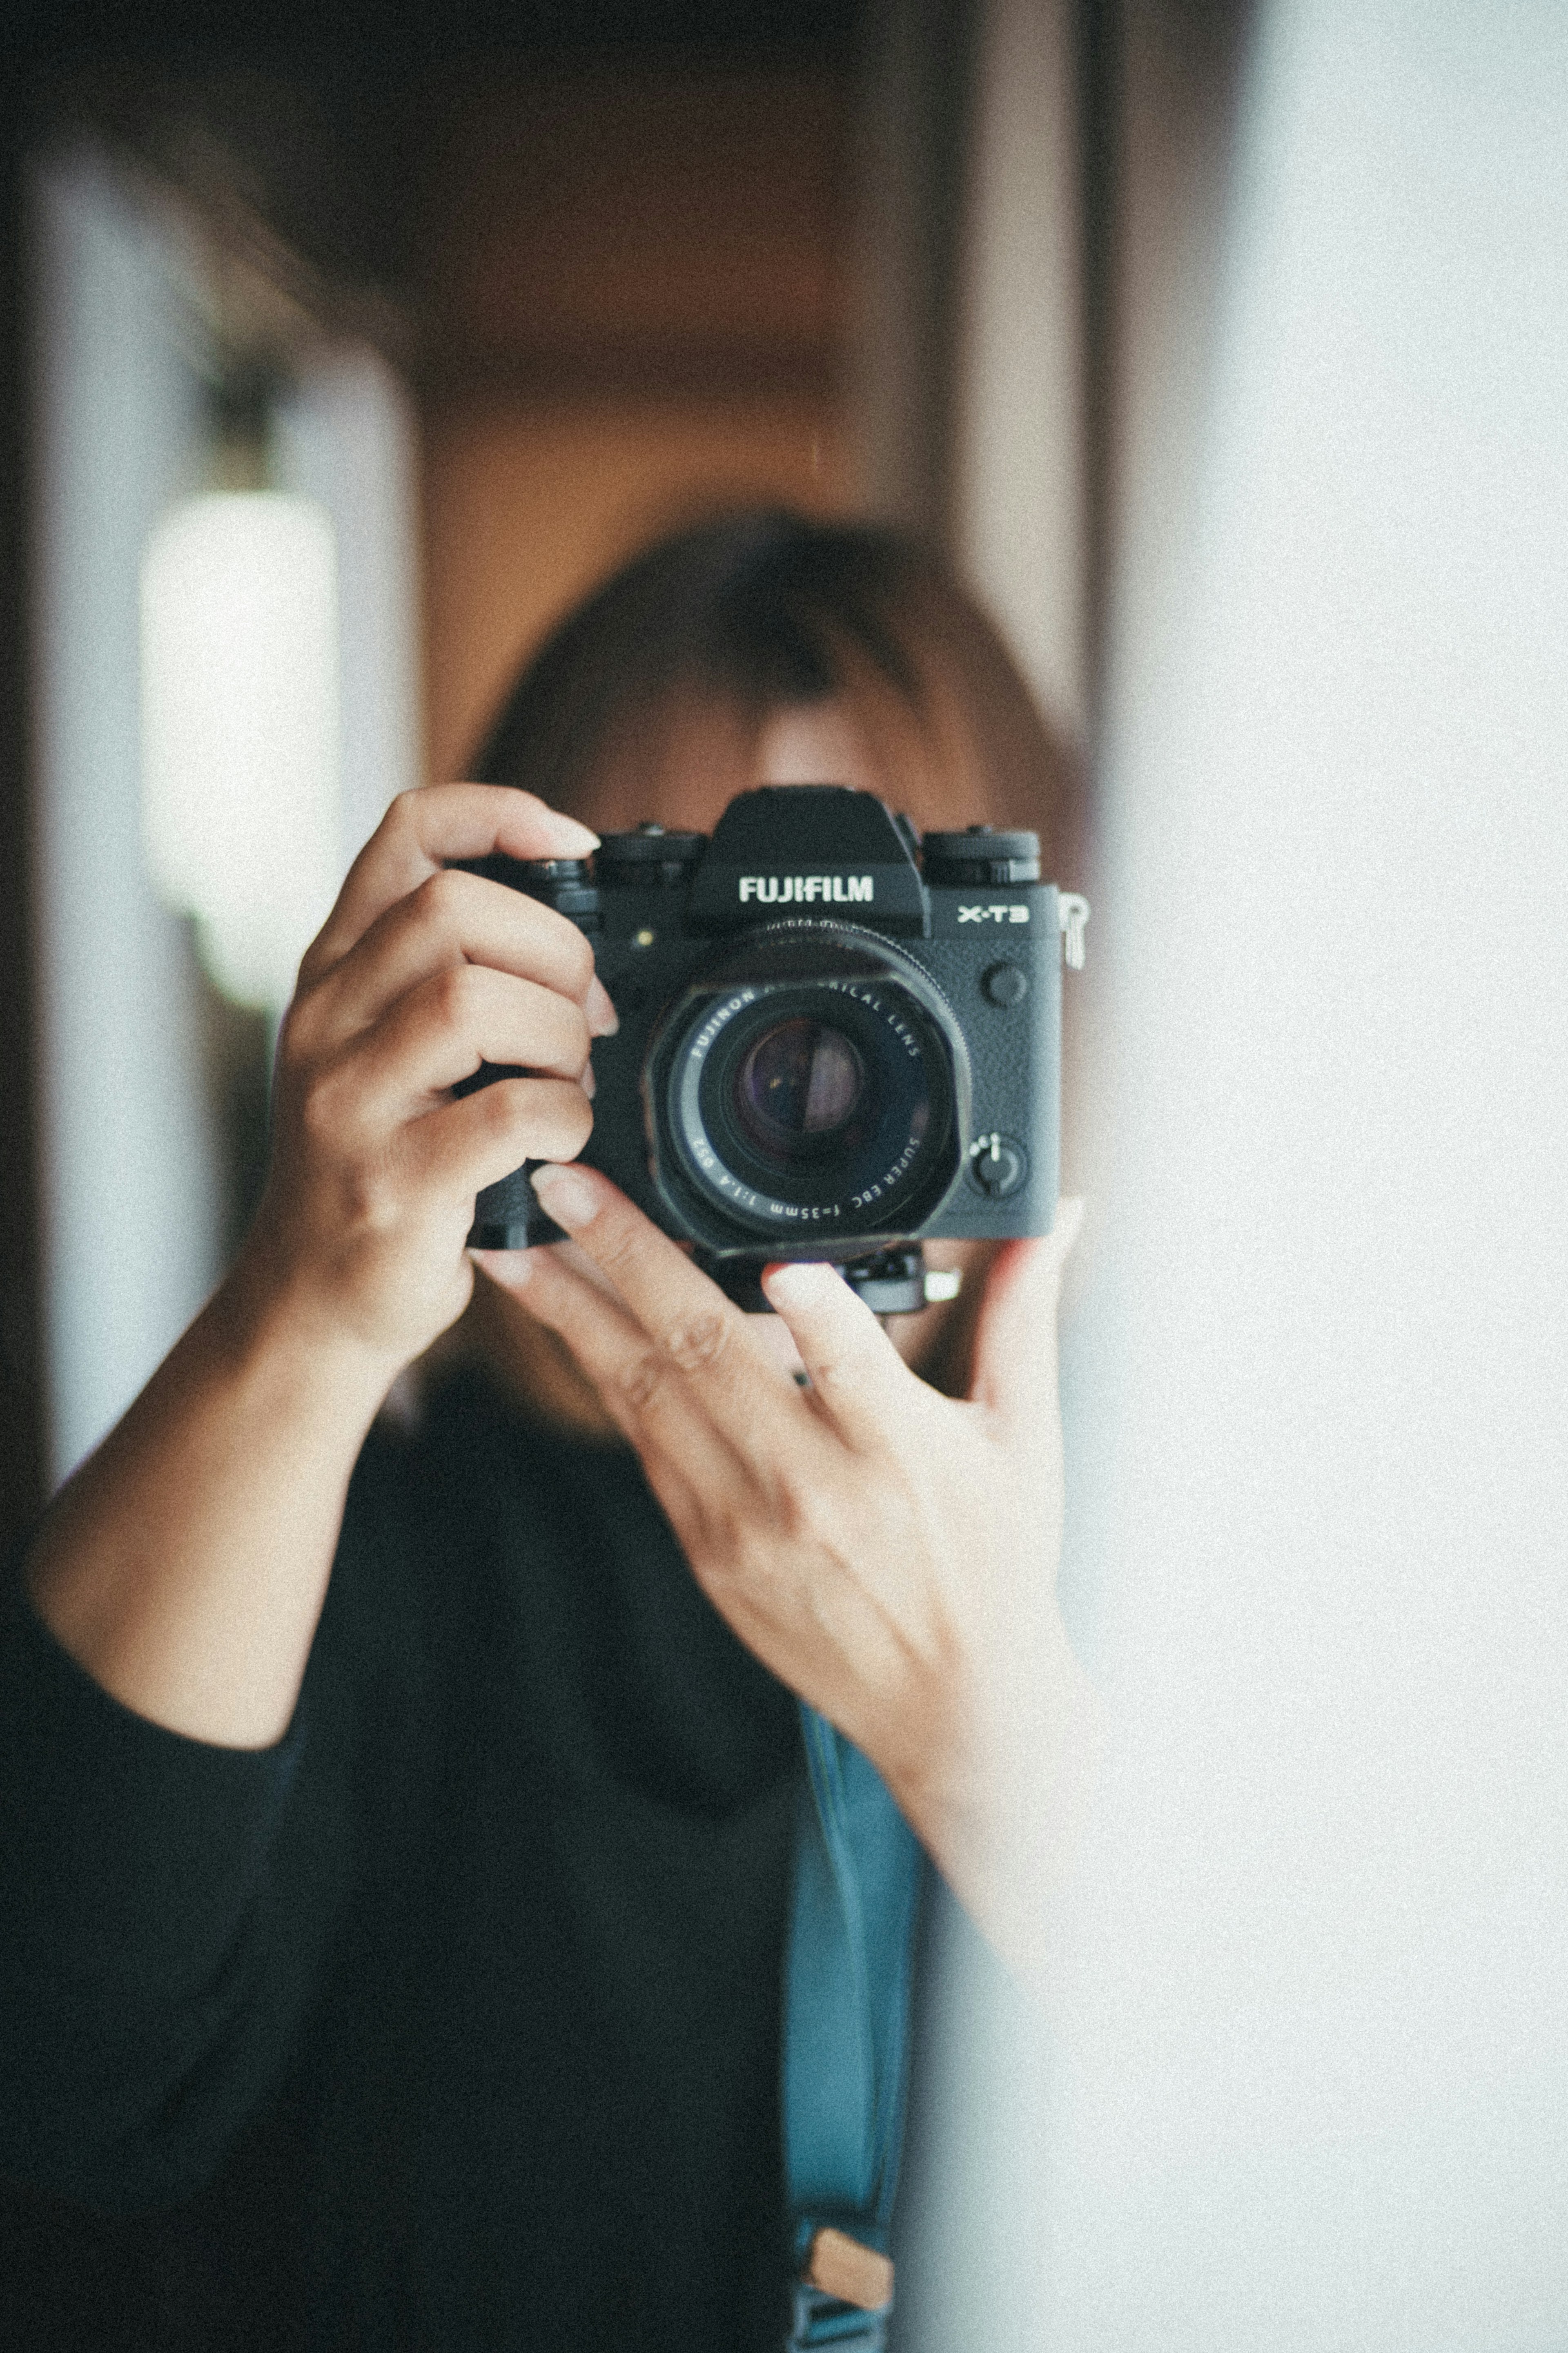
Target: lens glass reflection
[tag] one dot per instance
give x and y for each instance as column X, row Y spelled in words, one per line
column 798, row 1087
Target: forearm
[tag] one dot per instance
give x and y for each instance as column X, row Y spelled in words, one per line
column 1000, row 1793
column 184, row 1564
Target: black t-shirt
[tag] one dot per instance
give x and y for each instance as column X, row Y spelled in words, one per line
column 452, row 2021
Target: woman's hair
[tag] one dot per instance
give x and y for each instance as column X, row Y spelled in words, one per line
column 685, row 653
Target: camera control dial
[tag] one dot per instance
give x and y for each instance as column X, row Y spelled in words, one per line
column 997, row 1164
column 981, row 855
column 648, row 859
column 1005, row 984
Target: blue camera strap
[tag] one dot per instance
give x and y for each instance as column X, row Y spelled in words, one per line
column 858, row 1869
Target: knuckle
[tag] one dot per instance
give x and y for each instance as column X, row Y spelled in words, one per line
column 439, row 898
column 455, row 994
column 795, row 1512
column 560, row 1034
column 402, row 812
column 698, row 1345
column 840, row 1373
column 731, row 1543
column 578, row 1043
column 312, row 964
column 547, row 1118
column 500, row 1110
column 576, row 1120
column 321, row 1108
column 293, row 1035
column 570, row 953
column 643, row 1379
column 579, row 956
column 373, row 1196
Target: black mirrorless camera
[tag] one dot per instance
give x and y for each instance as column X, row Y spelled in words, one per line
column 837, row 1038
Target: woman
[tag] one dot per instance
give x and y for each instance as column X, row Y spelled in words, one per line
column 417, row 1835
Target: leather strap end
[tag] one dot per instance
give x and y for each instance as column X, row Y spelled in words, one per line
column 840, row 2266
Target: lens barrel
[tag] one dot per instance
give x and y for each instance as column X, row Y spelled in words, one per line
column 812, row 1082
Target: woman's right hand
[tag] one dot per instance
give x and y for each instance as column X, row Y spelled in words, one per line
column 183, row 1565
column 419, row 975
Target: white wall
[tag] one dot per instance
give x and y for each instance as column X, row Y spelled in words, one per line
column 130, row 1183
column 1314, row 2086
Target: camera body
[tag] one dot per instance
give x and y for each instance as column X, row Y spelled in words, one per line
column 834, row 1038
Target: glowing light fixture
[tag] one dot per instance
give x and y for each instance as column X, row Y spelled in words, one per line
column 239, row 728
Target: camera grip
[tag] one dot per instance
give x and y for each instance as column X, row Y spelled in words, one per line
column 506, row 1214
column 508, row 1217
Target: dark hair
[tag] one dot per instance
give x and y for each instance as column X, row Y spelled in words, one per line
column 742, row 616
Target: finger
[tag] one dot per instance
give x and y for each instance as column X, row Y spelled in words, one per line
column 421, row 832
column 483, row 1137
column 444, row 1030
column 1014, row 1359
column 686, row 1318
column 641, row 1385
column 448, row 920
column 856, row 1375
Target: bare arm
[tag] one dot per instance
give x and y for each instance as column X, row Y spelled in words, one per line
column 185, row 1565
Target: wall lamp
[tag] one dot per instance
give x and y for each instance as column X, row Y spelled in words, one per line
column 241, row 815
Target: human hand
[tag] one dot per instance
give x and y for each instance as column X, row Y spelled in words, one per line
column 889, row 1553
column 419, row 975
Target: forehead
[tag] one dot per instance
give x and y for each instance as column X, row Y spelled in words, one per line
column 685, row 768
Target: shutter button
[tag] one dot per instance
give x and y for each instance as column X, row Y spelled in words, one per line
column 997, row 1164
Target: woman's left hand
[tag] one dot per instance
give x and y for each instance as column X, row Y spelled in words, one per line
column 889, row 1553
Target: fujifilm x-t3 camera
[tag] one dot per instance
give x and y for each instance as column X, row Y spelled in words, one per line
column 837, row 1038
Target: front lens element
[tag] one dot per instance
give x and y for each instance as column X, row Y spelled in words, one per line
column 813, row 1082
column 798, row 1089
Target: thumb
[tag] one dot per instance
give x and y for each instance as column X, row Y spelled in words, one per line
column 1015, row 1358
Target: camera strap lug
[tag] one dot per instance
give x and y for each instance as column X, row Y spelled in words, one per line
column 1072, row 914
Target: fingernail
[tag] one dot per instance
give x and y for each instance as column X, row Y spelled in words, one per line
column 567, row 1195
column 576, row 840
column 795, row 1285
column 602, row 1020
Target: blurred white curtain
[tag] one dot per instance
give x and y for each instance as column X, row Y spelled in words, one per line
column 347, row 438
column 131, row 1177
column 1313, row 2082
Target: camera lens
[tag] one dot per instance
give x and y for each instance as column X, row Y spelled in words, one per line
column 798, row 1089
column 812, row 1085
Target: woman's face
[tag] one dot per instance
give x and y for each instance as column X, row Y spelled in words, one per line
column 809, row 743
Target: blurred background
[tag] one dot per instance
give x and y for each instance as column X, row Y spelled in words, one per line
column 1226, row 351
column 367, row 349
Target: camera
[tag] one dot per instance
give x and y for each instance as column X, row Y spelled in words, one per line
column 837, row 1038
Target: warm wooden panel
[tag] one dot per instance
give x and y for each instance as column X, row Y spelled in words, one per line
column 629, row 226
column 526, row 509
